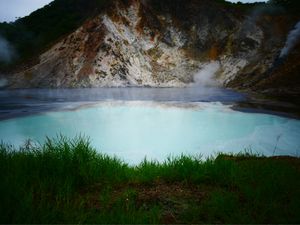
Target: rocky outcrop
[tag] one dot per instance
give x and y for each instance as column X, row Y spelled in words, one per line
column 143, row 43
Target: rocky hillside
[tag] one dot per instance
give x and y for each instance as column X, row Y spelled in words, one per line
column 165, row 43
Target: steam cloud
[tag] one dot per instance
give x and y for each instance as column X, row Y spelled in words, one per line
column 291, row 41
column 7, row 52
column 206, row 76
column 3, row 82
column 249, row 25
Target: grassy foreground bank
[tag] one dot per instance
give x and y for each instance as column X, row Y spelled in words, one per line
column 66, row 181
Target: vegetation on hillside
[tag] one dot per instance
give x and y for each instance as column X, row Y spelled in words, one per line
column 34, row 33
column 292, row 6
column 67, row 181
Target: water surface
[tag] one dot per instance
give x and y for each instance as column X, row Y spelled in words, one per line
column 154, row 123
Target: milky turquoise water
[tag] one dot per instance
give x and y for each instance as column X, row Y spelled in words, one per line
column 135, row 130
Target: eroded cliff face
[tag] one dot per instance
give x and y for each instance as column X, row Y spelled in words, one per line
column 135, row 43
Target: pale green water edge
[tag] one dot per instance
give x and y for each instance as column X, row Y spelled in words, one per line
column 135, row 130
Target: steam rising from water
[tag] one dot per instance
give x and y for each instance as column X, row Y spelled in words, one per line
column 135, row 130
column 291, row 41
column 3, row 82
column 206, row 76
column 7, row 52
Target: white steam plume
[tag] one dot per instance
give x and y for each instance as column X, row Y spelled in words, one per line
column 206, row 76
column 3, row 82
column 291, row 41
column 7, row 52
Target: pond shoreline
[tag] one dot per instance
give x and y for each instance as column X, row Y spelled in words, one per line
column 24, row 102
column 136, row 122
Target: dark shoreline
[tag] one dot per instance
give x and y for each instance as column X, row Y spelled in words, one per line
column 24, row 102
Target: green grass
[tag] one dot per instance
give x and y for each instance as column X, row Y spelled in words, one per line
column 67, row 181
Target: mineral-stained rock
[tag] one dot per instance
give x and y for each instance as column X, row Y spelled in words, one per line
column 137, row 43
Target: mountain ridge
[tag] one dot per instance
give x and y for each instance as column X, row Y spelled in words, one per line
column 159, row 44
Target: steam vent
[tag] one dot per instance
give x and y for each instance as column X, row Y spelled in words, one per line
column 164, row 44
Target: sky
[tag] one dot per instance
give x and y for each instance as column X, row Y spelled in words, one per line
column 11, row 9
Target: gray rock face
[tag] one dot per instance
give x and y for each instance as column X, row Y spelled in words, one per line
column 135, row 44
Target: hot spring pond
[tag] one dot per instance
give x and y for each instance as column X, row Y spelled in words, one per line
column 134, row 129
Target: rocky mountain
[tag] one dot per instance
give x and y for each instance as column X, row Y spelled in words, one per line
column 165, row 43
